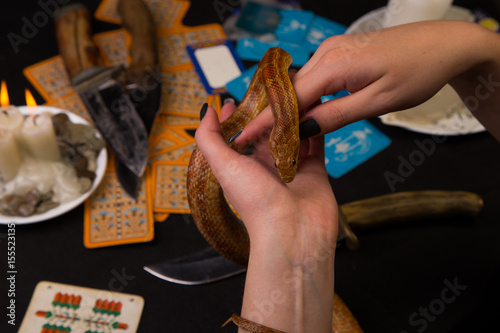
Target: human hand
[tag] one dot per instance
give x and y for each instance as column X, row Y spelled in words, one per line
column 292, row 229
column 386, row 70
column 305, row 207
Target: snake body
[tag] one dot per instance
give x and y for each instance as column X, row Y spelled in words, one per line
column 214, row 218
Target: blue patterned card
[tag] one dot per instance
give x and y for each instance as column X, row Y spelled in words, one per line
column 322, row 28
column 294, row 25
column 239, row 86
column 253, row 49
column 350, row 146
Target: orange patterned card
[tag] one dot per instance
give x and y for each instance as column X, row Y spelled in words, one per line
column 50, row 78
column 113, row 46
column 180, row 152
column 182, row 94
column 161, row 217
column 57, row 307
column 72, row 102
column 170, row 194
column 166, row 139
column 172, row 44
column 166, row 13
column 114, row 218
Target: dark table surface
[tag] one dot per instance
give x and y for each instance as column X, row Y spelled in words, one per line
column 398, row 273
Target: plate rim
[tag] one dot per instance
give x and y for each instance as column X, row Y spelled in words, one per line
column 102, row 159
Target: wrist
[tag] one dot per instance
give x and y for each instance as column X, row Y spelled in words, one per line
column 290, row 283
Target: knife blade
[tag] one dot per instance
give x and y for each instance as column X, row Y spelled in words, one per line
column 102, row 92
column 208, row 266
column 203, row 267
column 143, row 81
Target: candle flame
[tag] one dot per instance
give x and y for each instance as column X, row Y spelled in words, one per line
column 30, row 101
column 4, row 95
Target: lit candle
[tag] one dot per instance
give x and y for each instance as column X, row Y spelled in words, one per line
column 39, row 138
column 407, row 11
column 11, row 119
column 10, row 153
column 38, row 135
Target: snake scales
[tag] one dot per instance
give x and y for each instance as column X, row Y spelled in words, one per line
column 212, row 215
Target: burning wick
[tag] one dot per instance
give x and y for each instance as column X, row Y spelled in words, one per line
column 4, row 95
column 30, row 102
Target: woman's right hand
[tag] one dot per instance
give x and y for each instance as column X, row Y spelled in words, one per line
column 388, row 70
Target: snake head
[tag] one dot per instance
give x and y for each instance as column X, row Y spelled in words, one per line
column 285, row 160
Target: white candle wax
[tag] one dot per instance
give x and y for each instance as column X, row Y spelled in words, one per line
column 11, row 119
column 39, row 138
column 407, row 11
column 10, row 155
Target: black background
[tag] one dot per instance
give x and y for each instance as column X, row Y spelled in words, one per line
column 398, row 270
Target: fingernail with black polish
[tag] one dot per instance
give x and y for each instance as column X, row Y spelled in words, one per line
column 237, row 134
column 203, row 111
column 249, row 150
column 308, row 128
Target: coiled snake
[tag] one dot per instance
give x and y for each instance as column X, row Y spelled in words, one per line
column 212, row 215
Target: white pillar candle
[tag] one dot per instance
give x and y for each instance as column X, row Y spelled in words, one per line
column 11, row 119
column 39, row 138
column 407, row 11
column 10, row 155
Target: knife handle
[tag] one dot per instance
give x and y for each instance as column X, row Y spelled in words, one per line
column 410, row 206
column 139, row 23
column 74, row 39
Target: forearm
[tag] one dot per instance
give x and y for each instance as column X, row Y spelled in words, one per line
column 290, row 292
column 479, row 86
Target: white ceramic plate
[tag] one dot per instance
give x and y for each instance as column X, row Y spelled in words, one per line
column 444, row 113
column 102, row 159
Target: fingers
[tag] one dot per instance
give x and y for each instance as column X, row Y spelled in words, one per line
column 227, row 109
column 330, row 116
column 255, row 128
column 325, row 73
column 317, row 148
column 212, row 145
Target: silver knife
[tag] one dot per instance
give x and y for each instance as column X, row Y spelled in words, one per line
column 200, row 268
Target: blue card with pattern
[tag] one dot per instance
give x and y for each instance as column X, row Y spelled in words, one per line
column 253, row 49
column 320, row 29
column 239, row 86
column 294, row 25
column 350, row 146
